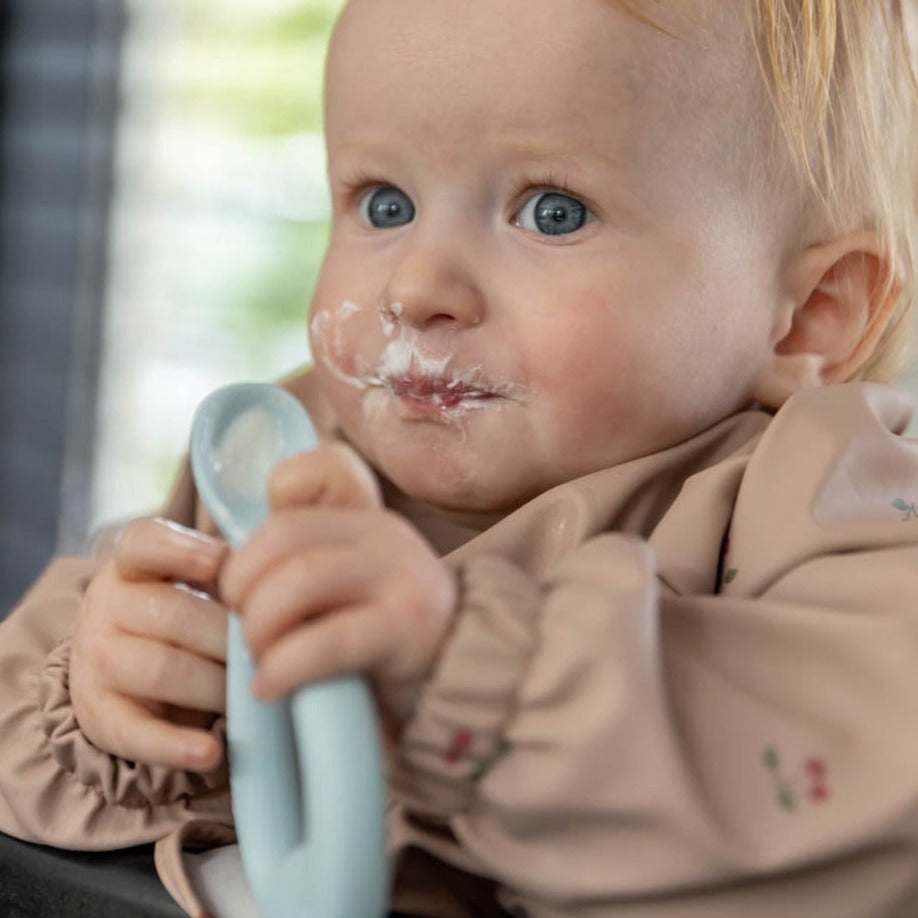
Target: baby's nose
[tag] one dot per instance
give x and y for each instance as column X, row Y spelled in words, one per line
column 431, row 284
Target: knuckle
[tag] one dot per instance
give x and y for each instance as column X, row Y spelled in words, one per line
column 340, row 645
column 96, row 729
column 274, row 538
column 82, row 700
column 96, row 599
column 117, row 737
column 100, row 657
column 415, row 609
column 293, row 480
column 88, row 708
column 387, row 537
column 160, row 672
column 168, row 612
column 354, row 484
column 255, row 636
column 340, row 649
column 227, row 586
column 425, row 611
column 133, row 536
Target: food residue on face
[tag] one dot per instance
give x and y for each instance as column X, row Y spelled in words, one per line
column 403, row 367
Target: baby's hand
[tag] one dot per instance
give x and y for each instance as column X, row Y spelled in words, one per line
column 334, row 583
column 147, row 667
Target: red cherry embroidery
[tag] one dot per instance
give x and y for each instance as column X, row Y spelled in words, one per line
column 810, row 781
column 459, row 745
column 816, row 768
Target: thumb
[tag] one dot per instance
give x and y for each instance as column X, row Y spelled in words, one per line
column 335, row 475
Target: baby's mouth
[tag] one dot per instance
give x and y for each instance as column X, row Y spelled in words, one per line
column 427, row 386
column 437, row 391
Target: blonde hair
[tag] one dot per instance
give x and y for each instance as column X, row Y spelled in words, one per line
column 842, row 75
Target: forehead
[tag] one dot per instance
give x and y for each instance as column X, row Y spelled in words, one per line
column 489, row 55
column 668, row 106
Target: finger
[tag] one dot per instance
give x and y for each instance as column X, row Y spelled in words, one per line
column 159, row 548
column 160, row 672
column 175, row 613
column 334, row 476
column 136, row 733
column 299, row 588
column 353, row 640
column 286, row 532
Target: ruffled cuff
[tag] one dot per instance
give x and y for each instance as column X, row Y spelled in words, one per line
column 458, row 725
column 118, row 781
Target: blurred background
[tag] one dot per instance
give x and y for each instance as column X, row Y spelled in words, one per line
column 162, row 217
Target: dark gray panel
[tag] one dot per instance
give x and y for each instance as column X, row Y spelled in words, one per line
column 58, row 86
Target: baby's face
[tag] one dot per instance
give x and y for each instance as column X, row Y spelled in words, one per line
column 542, row 260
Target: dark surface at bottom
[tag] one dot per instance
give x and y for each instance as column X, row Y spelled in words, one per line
column 40, row 882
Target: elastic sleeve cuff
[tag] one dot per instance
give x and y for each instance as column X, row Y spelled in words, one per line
column 457, row 727
column 118, row 781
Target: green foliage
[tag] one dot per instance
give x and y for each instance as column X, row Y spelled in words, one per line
column 247, row 71
column 246, row 295
column 256, row 71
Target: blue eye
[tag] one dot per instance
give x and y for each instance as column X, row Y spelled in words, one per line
column 553, row 213
column 385, row 207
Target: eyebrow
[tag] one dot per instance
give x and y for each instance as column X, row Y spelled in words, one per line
column 569, row 160
column 511, row 150
column 524, row 151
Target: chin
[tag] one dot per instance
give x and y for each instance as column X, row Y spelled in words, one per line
column 461, row 495
column 441, row 476
column 448, row 495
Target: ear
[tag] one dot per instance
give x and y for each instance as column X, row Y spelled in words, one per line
column 837, row 299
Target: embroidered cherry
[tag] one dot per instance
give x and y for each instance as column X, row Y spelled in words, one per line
column 459, row 746
column 811, row 779
column 816, row 768
column 818, row 771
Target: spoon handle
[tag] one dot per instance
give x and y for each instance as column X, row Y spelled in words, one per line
column 307, row 790
column 264, row 770
column 306, row 774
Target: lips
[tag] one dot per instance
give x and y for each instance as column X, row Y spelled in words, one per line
column 441, row 392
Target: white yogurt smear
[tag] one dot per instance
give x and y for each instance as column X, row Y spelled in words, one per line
column 402, row 355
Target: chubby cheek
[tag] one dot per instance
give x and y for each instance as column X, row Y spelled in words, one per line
column 579, row 378
column 617, row 393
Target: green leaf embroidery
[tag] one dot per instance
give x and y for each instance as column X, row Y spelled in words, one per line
column 910, row 510
column 807, row 784
column 478, row 772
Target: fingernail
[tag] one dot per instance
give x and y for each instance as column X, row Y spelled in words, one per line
column 198, row 751
column 193, row 539
column 202, row 550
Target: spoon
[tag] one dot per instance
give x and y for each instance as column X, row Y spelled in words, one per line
column 306, row 772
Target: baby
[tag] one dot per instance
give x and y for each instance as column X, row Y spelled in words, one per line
column 632, row 574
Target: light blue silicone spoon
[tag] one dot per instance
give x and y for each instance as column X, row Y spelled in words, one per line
column 306, row 773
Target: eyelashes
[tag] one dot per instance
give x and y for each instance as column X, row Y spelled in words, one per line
column 553, row 212
column 543, row 204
